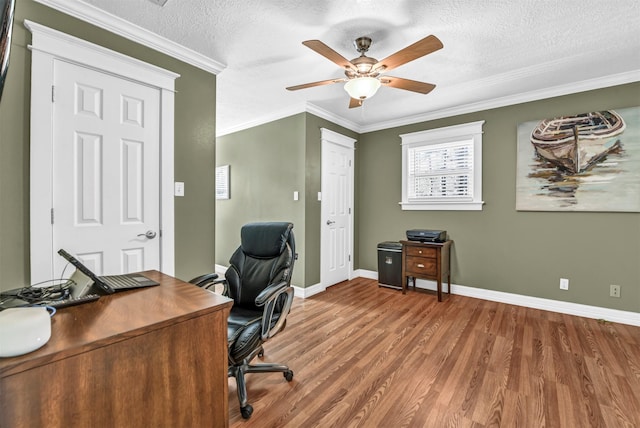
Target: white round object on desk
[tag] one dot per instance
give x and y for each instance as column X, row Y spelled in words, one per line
column 23, row 330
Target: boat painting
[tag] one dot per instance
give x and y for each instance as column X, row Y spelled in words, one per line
column 609, row 183
column 575, row 143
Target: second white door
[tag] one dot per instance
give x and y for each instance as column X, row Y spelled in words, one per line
column 337, row 202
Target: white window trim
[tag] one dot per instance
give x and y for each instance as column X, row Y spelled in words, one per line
column 449, row 134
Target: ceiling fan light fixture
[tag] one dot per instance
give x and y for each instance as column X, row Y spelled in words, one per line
column 361, row 88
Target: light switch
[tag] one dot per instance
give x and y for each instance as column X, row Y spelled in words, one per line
column 295, row 195
column 178, row 188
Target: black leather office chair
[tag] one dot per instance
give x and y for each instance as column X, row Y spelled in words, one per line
column 259, row 282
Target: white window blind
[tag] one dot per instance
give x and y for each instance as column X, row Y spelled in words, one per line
column 441, row 171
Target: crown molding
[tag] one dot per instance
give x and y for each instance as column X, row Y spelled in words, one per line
column 98, row 17
column 281, row 114
column 276, row 115
column 554, row 91
column 92, row 15
column 333, row 118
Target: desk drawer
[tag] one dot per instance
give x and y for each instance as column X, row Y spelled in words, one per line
column 417, row 266
column 422, row 251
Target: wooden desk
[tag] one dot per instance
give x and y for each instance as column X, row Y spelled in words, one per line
column 426, row 261
column 152, row 357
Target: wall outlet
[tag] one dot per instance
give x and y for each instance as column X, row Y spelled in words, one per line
column 564, row 284
column 614, row 290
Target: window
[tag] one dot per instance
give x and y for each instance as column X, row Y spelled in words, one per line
column 442, row 168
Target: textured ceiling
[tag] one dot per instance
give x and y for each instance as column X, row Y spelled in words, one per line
column 493, row 50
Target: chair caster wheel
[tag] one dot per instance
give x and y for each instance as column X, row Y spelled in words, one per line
column 288, row 375
column 246, row 411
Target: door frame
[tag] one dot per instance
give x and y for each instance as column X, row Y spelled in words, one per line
column 328, row 136
column 48, row 46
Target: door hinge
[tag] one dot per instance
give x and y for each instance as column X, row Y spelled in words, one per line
column 51, row 215
column 349, row 258
column 53, row 94
column 349, row 162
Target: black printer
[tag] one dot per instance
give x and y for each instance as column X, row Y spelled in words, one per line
column 424, row 235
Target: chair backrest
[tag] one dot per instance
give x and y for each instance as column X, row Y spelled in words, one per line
column 266, row 256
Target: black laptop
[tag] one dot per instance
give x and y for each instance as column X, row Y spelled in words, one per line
column 111, row 283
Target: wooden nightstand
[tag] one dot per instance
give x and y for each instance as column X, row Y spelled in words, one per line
column 426, row 261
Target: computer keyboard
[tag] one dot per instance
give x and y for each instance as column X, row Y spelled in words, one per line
column 120, row 282
column 64, row 303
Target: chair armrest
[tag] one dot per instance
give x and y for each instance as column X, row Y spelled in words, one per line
column 269, row 298
column 205, row 279
column 268, row 293
column 210, row 280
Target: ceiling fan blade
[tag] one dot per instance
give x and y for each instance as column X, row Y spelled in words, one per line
column 329, row 53
column 320, row 83
column 355, row 103
column 420, row 48
column 407, row 84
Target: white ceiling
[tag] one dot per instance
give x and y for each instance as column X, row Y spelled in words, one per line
column 496, row 52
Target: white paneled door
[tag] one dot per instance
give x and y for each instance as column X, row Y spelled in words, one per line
column 106, row 170
column 337, row 201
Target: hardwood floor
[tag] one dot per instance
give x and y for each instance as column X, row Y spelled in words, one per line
column 365, row 356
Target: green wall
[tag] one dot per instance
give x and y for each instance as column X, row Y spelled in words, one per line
column 500, row 248
column 194, row 147
column 267, row 164
column 497, row 248
column 313, row 206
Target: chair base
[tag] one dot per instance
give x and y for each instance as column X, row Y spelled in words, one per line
column 239, row 371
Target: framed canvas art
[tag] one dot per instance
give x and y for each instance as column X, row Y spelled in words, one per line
column 584, row 162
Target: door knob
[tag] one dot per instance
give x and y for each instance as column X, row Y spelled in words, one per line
column 150, row 234
column 330, row 222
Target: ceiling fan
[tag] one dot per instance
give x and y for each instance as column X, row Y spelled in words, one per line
column 364, row 74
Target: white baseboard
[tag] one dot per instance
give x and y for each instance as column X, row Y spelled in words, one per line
column 319, row 288
column 596, row 312
column 369, row 274
column 308, row 291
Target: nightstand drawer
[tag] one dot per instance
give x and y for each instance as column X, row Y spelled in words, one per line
column 417, row 266
column 422, row 252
